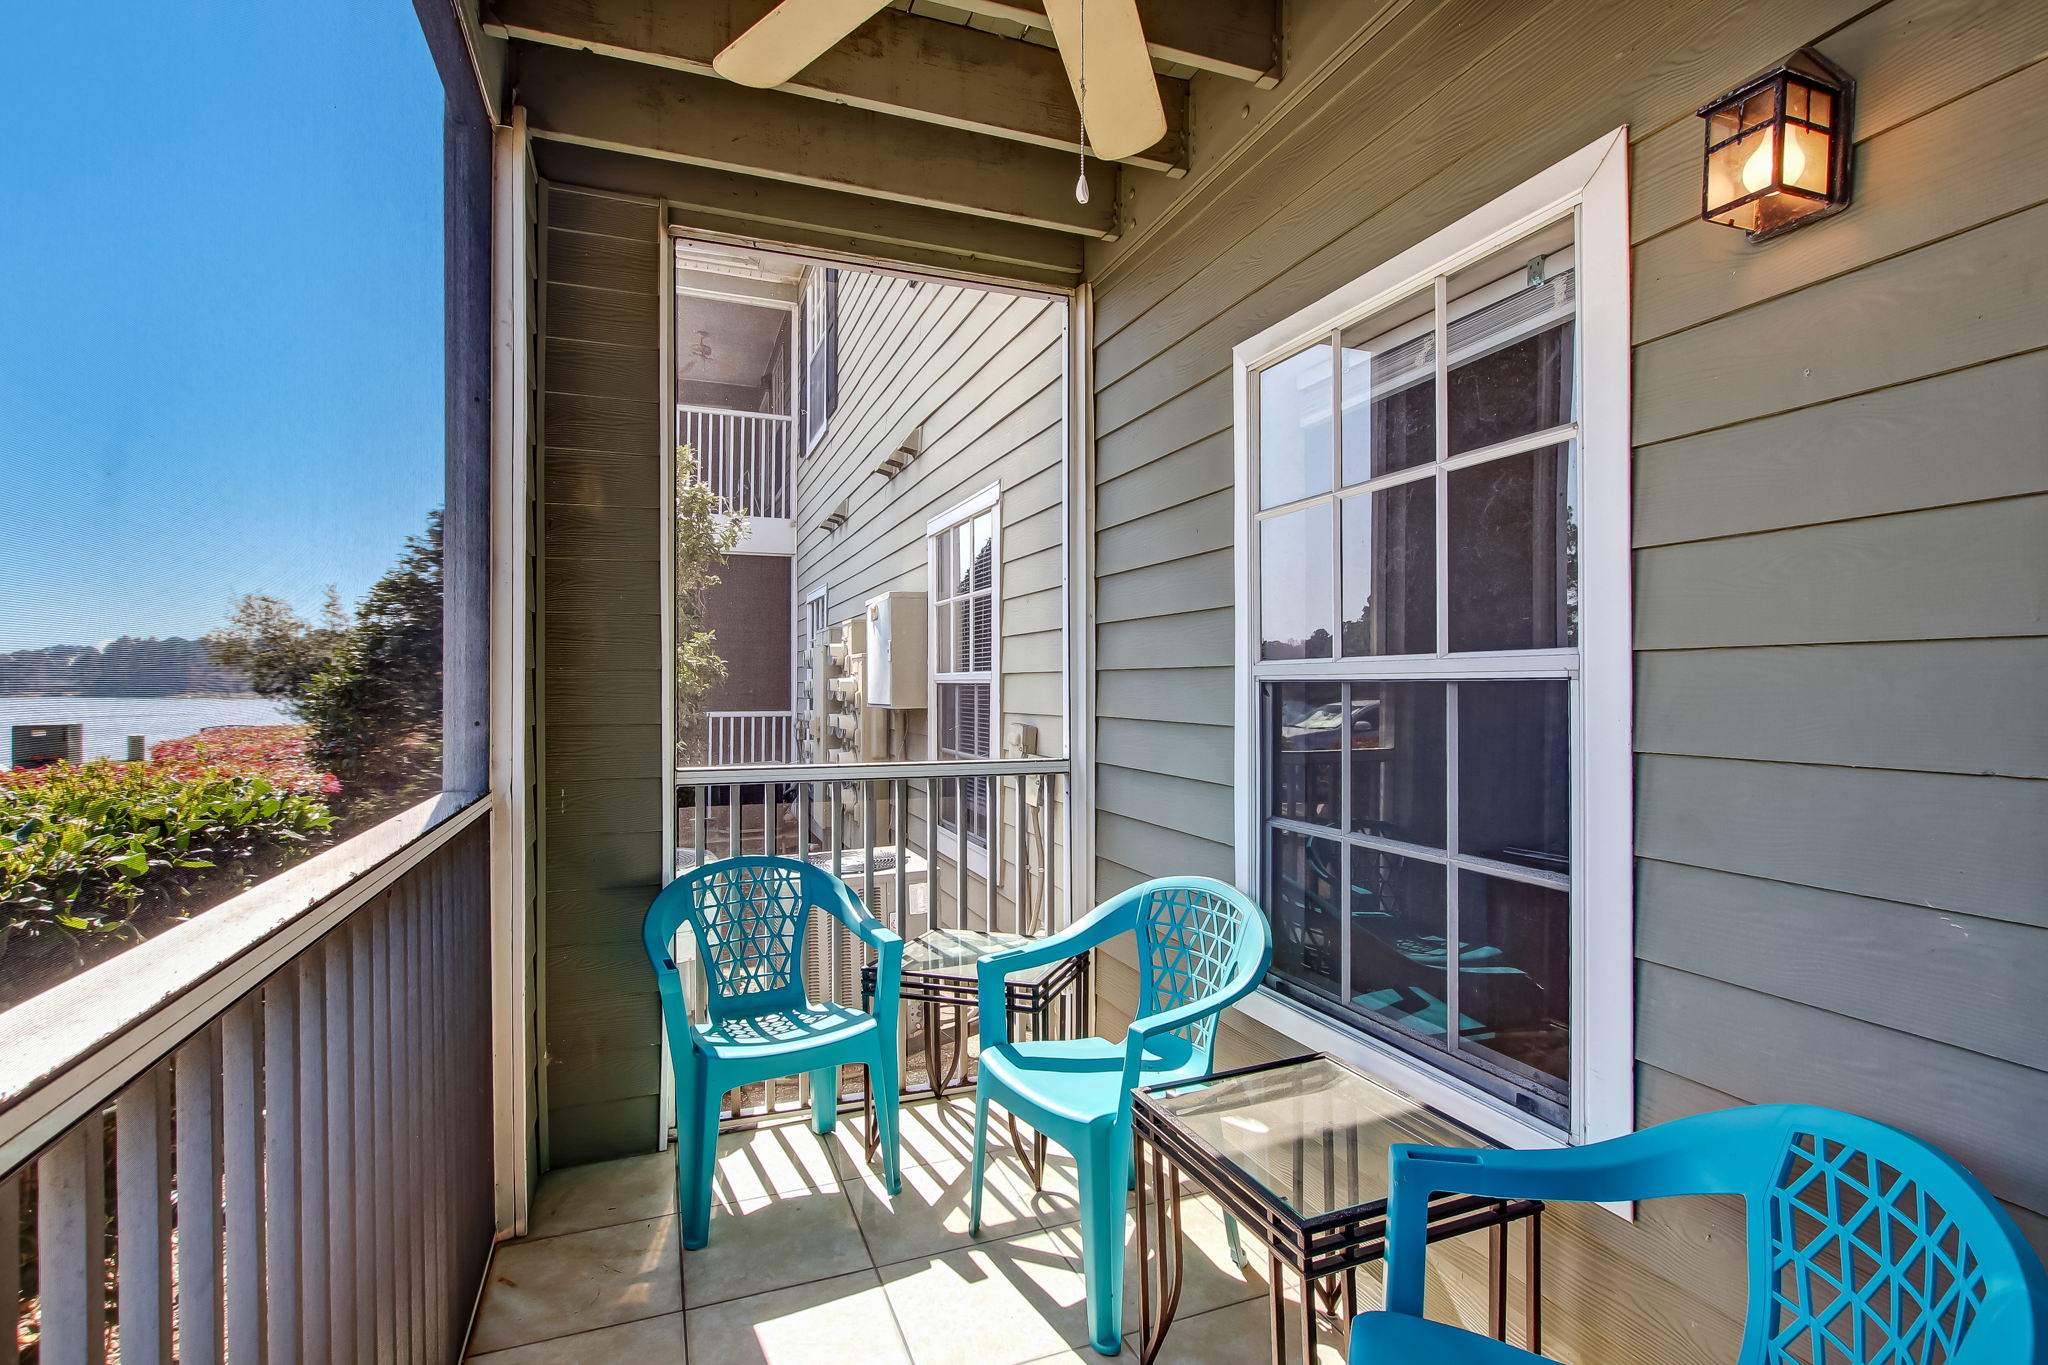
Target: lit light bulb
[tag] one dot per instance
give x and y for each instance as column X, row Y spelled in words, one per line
column 1756, row 172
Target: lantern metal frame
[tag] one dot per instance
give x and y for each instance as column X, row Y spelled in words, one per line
column 1818, row 75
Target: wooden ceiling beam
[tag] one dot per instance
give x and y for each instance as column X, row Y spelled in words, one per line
column 896, row 63
column 651, row 111
column 777, row 211
column 1236, row 38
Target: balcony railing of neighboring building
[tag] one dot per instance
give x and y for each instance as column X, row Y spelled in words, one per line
column 892, row 831
column 741, row 737
column 744, row 456
column 258, row 1136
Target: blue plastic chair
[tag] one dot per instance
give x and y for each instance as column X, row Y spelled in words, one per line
column 1202, row 946
column 1867, row 1246
column 750, row 916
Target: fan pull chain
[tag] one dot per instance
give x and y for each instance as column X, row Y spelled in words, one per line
column 1081, row 181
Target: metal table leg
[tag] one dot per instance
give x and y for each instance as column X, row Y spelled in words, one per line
column 1160, row 1252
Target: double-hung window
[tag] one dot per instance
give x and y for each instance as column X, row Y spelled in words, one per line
column 1434, row 656
column 821, row 350
column 964, row 551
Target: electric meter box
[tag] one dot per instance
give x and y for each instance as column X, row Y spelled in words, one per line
column 897, row 663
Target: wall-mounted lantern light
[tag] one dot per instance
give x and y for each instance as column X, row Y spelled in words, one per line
column 1778, row 148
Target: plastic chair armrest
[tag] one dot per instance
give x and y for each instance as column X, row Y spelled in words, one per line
column 1671, row 1159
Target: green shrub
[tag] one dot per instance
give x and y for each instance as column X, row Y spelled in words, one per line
column 85, row 849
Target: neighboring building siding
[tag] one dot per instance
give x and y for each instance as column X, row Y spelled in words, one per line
column 1842, row 567
column 978, row 376
column 603, row 774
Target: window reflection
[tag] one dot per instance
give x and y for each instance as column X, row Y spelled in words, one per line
column 1398, row 970
column 1305, row 736
column 1294, row 585
column 1305, row 879
column 1390, row 390
column 1390, row 570
column 1397, row 761
column 1513, row 571
column 1514, row 772
column 1514, row 975
column 1296, row 413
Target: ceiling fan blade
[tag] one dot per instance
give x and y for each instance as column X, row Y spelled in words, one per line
column 1122, row 113
column 789, row 38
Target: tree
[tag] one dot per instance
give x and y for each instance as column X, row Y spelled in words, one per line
column 375, row 707
column 274, row 646
column 705, row 535
column 369, row 687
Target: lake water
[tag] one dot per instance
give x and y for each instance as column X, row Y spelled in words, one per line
column 109, row 721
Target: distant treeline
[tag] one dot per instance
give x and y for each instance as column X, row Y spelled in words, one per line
column 126, row 667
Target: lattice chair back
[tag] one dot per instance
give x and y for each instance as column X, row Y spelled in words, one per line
column 1867, row 1246
column 1198, row 941
column 750, row 916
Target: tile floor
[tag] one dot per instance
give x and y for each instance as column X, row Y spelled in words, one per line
column 811, row 1261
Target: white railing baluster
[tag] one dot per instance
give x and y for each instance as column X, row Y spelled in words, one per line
column 71, row 1233
column 241, row 1108
column 197, row 1076
column 142, row 1205
column 314, row 1285
column 743, row 456
column 281, row 1167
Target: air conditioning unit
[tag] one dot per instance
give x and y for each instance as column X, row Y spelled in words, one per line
column 832, row 956
column 897, row 675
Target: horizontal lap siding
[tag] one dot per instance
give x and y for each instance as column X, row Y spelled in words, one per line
column 602, row 777
column 1841, row 514
column 978, row 376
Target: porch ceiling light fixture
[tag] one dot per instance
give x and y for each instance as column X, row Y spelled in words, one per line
column 1778, row 148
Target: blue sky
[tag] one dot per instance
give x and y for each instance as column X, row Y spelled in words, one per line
column 220, row 327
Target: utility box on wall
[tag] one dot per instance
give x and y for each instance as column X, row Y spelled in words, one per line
column 37, row 746
column 898, row 673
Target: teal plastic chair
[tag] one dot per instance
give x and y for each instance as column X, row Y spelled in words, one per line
column 1867, row 1246
column 1202, row 946
column 750, row 916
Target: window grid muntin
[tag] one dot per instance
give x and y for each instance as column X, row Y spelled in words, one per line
column 1443, row 665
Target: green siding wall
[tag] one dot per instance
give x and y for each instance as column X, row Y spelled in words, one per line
column 601, row 770
column 1842, row 562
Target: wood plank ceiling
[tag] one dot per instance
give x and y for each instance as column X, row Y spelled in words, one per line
column 935, row 134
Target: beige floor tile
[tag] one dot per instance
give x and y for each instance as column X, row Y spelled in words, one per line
column 1209, row 1279
column 578, row 1282
column 603, row 1194
column 996, row 1303
column 930, row 1215
column 827, row 1322
column 932, row 1131
column 775, row 1243
column 1235, row 1335
column 651, row 1341
column 777, row 1158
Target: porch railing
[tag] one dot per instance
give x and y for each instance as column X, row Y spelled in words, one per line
column 746, row 737
column 255, row 1138
column 744, row 456
column 894, row 832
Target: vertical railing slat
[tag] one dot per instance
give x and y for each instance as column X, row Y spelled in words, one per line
column 383, row 1268
column 314, row 1269
column 196, row 1073
column 343, row 1189
column 363, row 1122
column 10, row 1271
column 71, row 1230
column 142, row 1203
column 241, row 1108
column 281, row 1166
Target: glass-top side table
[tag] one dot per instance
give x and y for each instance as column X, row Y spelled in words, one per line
column 940, row 972
column 1297, row 1152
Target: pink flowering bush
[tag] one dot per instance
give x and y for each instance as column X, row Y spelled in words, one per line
column 88, row 849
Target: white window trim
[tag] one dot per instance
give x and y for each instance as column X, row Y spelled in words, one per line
column 1594, row 183
column 990, row 500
